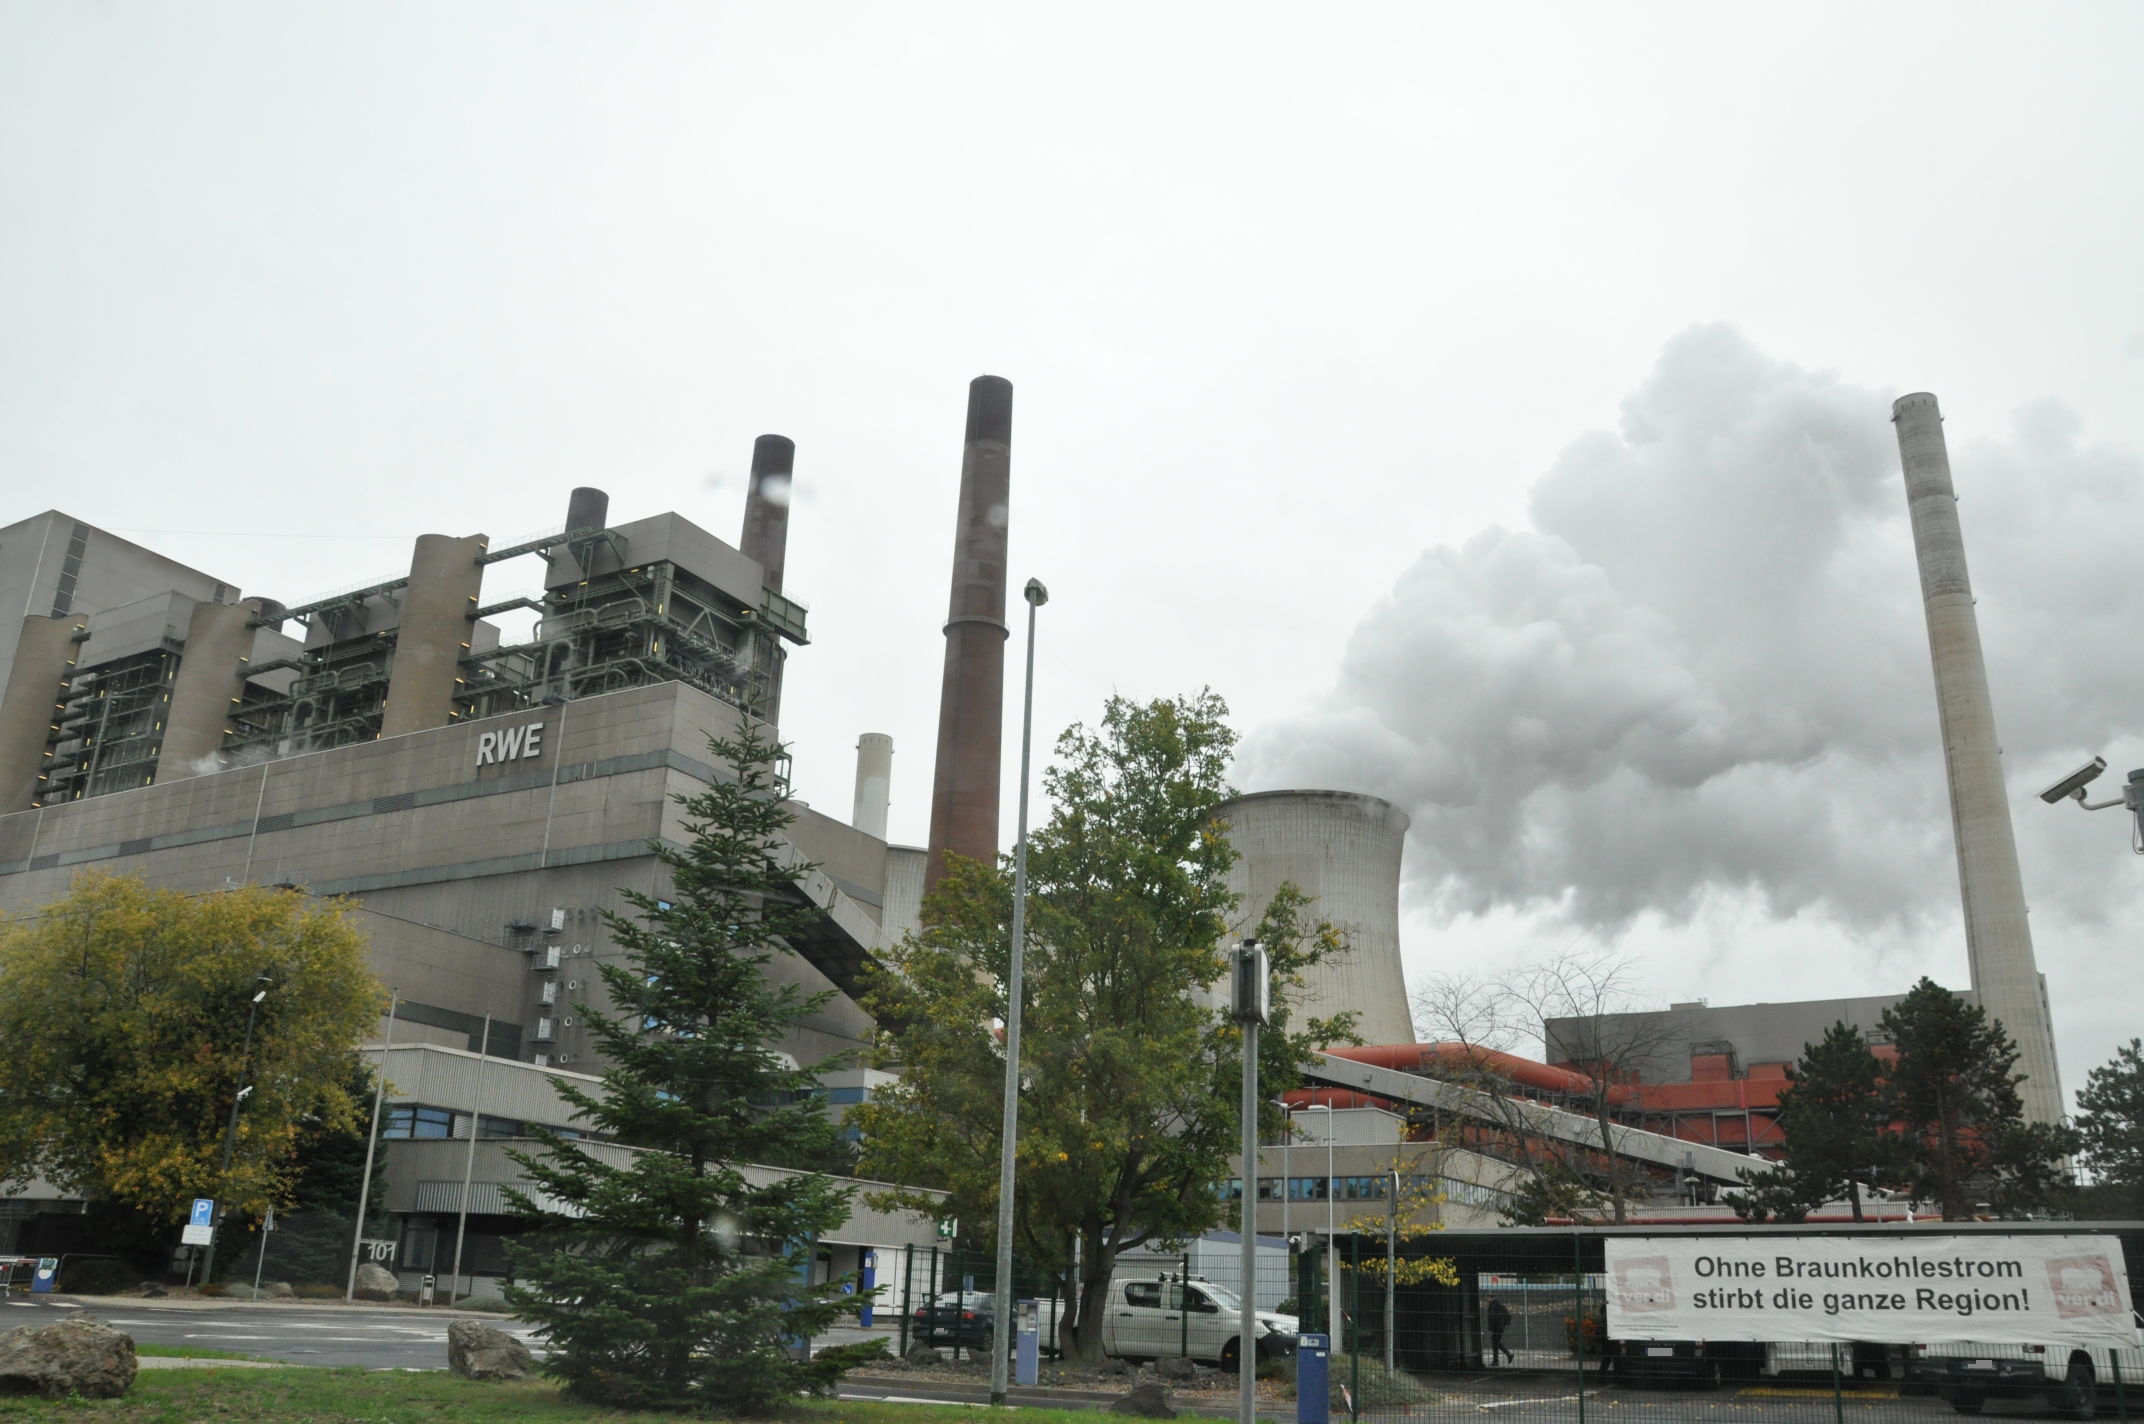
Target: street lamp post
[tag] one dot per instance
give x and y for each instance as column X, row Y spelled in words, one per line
column 1332, row 1249
column 230, row 1130
column 1001, row 1332
column 1287, row 1131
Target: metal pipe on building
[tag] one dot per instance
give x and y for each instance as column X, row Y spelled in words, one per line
column 29, row 705
column 766, row 506
column 1998, row 941
column 433, row 636
column 210, row 682
column 971, row 699
column 874, row 784
column 587, row 508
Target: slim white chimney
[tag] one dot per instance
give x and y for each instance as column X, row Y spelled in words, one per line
column 1998, row 942
column 874, row 783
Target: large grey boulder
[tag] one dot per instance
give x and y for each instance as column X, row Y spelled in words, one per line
column 78, row 1356
column 281, row 1290
column 922, row 1354
column 1148, row 1401
column 376, row 1282
column 480, row 1352
column 1175, row 1367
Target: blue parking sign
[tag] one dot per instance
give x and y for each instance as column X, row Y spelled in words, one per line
column 204, row 1212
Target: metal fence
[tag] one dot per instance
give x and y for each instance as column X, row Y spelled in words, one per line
column 1512, row 1323
column 1517, row 1328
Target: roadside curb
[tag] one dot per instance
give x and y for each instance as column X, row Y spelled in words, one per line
column 956, row 1393
column 165, row 1302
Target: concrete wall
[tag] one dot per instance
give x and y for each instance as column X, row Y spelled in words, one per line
column 39, row 574
column 446, row 852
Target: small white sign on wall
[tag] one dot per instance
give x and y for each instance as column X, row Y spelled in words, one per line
column 509, row 744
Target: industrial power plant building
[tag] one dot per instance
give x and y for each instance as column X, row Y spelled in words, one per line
column 479, row 803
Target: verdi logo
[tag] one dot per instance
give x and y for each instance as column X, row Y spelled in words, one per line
column 2084, row 1286
column 1644, row 1283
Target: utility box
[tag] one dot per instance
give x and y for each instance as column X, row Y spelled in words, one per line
column 1313, row 1387
column 426, row 1287
column 1027, row 1345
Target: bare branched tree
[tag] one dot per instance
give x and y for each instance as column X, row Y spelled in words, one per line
column 1583, row 1010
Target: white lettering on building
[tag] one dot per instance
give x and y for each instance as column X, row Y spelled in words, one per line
column 509, row 744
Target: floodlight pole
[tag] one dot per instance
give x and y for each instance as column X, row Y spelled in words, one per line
column 1249, row 1009
column 1001, row 1328
column 476, row 1118
column 230, row 1130
column 372, row 1141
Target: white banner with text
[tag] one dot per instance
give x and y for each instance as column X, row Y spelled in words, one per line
column 1903, row 1289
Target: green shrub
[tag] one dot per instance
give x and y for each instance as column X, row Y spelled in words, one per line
column 97, row 1275
column 828, row 1366
column 1372, row 1387
column 488, row 1304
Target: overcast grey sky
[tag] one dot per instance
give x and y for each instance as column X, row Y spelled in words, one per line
column 1490, row 401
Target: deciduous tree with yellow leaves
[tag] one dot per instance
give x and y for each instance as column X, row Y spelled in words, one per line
column 124, row 1022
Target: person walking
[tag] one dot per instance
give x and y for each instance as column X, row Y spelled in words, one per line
column 1498, row 1317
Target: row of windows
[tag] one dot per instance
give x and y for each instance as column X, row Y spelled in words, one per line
column 414, row 1120
column 1367, row 1189
column 1319, row 1188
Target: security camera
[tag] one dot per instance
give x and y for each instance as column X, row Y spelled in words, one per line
column 2075, row 783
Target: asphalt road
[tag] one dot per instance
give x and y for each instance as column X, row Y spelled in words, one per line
column 371, row 1337
column 406, row 1338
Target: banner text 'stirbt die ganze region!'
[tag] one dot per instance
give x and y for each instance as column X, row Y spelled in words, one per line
column 2068, row 1290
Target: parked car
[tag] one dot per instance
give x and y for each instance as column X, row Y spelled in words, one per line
column 1701, row 1364
column 1147, row 1318
column 954, row 1318
column 1968, row 1374
column 970, row 1318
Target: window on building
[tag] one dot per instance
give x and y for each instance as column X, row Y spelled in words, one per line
column 412, row 1120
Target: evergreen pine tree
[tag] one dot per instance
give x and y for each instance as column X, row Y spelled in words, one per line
column 673, row 1279
column 1952, row 1094
column 2110, row 1121
column 1832, row 1129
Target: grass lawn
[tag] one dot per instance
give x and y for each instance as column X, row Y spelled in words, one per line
column 318, row 1396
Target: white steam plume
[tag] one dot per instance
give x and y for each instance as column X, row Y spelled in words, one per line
column 1704, row 673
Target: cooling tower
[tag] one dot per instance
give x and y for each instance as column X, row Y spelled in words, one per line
column 1998, row 943
column 1342, row 850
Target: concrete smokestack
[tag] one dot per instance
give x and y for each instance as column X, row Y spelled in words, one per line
column 766, row 505
column 1998, row 942
column 434, row 633
column 971, row 702
column 874, row 783
column 210, row 683
column 30, row 704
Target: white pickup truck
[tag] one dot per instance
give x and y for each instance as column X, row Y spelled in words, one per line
column 1147, row 1318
